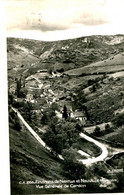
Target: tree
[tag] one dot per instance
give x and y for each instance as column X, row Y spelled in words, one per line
column 50, row 70
column 69, row 155
column 27, row 110
column 65, row 114
column 18, row 87
column 22, row 93
column 99, row 169
column 44, row 118
column 73, row 168
column 50, row 138
column 10, row 99
column 94, row 88
column 14, row 120
column 17, row 125
column 53, row 123
column 61, row 142
column 23, row 81
column 108, row 128
column 48, row 114
column 97, row 131
column 64, row 135
column 90, row 82
column 78, row 126
column 54, row 106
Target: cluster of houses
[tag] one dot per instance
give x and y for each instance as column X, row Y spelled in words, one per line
column 37, row 81
column 77, row 114
column 50, row 98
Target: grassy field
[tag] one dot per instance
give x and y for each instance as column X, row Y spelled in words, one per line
column 107, row 98
column 22, row 58
column 113, row 64
column 96, row 70
column 92, row 128
column 116, row 137
column 115, row 60
column 79, row 81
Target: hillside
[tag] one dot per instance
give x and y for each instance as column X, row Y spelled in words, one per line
column 79, row 52
column 31, row 162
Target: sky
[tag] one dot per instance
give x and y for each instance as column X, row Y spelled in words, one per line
column 51, row 20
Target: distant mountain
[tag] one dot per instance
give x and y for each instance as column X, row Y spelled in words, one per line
column 80, row 51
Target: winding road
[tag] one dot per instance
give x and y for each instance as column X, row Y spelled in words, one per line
column 87, row 161
column 101, row 157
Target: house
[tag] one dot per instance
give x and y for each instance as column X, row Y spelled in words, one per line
column 42, row 73
column 19, row 100
column 69, row 111
column 58, row 114
column 42, row 70
column 30, row 98
column 81, row 116
column 40, row 85
column 36, row 111
column 56, row 74
column 12, row 89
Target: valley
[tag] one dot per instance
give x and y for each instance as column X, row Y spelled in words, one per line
column 65, row 89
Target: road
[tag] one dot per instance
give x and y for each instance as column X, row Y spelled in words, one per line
column 90, row 160
column 29, row 128
column 87, row 161
column 101, row 157
column 33, row 132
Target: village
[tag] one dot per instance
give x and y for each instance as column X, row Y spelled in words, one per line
column 43, row 91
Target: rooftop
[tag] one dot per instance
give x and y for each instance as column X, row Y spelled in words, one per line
column 79, row 114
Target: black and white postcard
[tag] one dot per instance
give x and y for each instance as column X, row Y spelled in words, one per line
column 65, row 72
